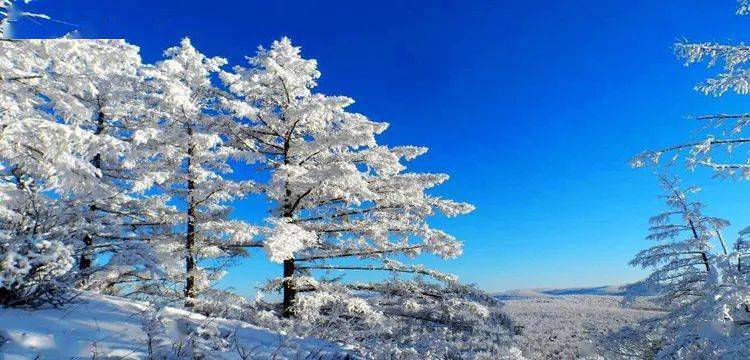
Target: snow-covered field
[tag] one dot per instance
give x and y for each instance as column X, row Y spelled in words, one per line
column 565, row 324
column 103, row 327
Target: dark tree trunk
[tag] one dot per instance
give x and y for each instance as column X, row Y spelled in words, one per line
column 290, row 292
column 5, row 295
column 84, row 262
column 704, row 257
column 189, row 258
column 87, row 256
column 190, row 235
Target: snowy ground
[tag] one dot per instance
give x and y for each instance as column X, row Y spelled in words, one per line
column 111, row 328
column 564, row 324
column 557, row 324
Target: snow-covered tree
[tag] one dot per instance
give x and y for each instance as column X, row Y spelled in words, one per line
column 6, row 8
column 344, row 203
column 683, row 254
column 706, row 286
column 720, row 152
column 338, row 193
column 742, row 249
column 9, row 14
column 191, row 162
column 32, row 137
column 715, row 325
column 744, row 7
column 700, row 282
column 41, row 163
column 95, row 86
column 102, row 154
column 33, row 254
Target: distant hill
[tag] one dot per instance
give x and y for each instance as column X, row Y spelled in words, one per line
column 635, row 289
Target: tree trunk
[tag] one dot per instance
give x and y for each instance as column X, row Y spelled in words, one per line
column 87, row 255
column 189, row 258
column 704, row 257
column 290, row 292
column 190, row 235
column 84, row 263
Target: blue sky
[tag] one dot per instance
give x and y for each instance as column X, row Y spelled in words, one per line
column 533, row 108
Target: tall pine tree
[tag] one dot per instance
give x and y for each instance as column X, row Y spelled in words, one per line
column 191, row 162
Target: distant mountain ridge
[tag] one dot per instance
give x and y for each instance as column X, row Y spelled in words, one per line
column 636, row 289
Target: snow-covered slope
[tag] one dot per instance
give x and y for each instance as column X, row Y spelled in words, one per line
column 566, row 323
column 113, row 328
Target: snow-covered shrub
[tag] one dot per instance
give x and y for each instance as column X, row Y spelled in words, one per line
column 30, row 271
column 398, row 319
column 638, row 341
column 223, row 304
column 169, row 338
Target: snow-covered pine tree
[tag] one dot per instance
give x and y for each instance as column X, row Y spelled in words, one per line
column 699, row 282
column 344, row 204
column 9, row 14
column 191, row 163
column 5, row 9
column 683, row 256
column 714, row 150
column 41, row 162
column 335, row 188
column 32, row 137
column 94, row 85
column 711, row 320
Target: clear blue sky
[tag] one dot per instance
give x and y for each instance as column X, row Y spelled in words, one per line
column 533, row 108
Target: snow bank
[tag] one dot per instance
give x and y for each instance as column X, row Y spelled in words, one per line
column 110, row 327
